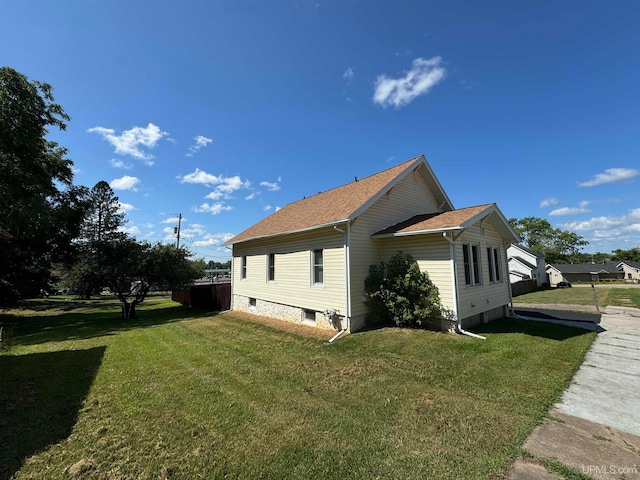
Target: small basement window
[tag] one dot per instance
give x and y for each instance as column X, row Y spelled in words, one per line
column 252, row 303
column 309, row 318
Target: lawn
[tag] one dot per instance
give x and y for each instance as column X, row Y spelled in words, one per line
column 179, row 393
column 623, row 297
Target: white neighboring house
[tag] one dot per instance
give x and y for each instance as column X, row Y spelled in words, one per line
column 524, row 264
column 631, row 270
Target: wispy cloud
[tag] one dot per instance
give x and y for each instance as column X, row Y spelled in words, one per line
column 252, row 195
column 568, row 211
column 201, row 142
column 213, row 239
column 213, row 209
column 115, row 163
column 131, row 230
column 125, row 183
column 199, row 177
column 548, row 202
column 397, row 92
column 272, row 186
column 266, row 208
column 125, row 207
column 627, row 222
column 348, row 74
column 611, row 175
column 131, row 142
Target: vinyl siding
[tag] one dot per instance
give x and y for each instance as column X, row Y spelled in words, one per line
column 411, row 196
column 432, row 252
column 487, row 296
column 293, row 257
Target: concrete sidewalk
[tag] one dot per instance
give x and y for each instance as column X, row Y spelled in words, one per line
column 595, row 429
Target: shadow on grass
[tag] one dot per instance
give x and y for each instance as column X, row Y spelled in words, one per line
column 40, row 397
column 33, row 330
column 551, row 331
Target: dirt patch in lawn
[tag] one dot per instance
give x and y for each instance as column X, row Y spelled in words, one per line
column 285, row 326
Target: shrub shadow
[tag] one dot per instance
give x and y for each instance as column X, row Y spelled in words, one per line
column 40, row 397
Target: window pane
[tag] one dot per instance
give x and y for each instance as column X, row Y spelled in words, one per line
column 496, row 258
column 243, row 271
column 490, row 259
column 272, row 267
column 467, row 266
column 476, row 265
column 318, row 266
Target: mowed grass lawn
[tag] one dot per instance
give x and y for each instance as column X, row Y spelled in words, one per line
column 179, row 393
column 623, row 297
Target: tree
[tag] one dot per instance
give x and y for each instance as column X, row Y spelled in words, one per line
column 41, row 208
column 629, row 255
column 557, row 246
column 102, row 224
column 399, row 292
column 131, row 268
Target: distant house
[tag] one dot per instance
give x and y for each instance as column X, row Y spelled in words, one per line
column 308, row 261
column 583, row 272
column 524, row 264
column 630, row 270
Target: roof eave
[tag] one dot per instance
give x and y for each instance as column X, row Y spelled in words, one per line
column 416, row 232
column 300, row 230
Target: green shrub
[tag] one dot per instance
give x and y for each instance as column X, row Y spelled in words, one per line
column 399, row 293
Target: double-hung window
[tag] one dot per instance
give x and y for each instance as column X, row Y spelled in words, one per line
column 493, row 257
column 471, row 256
column 317, row 267
column 243, row 267
column 271, row 267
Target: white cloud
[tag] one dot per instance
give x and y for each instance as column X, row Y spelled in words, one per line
column 272, row 186
column 626, row 222
column 348, row 74
column 199, row 177
column 251, row 196
column 130, row 141
column 213, row 209
column 568, row 211
column 172, row 220
column 584, row 203
column 125, row 207
column 277, row 208
column 611, row 175
column 131, row 230
column 115, row 163
column 548, row 202
column 201, row 142
column 125, row 183
column 266, row 208
column 397, row 92
column 213, row 239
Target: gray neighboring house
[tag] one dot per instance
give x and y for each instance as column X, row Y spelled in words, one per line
column 583, row 272
column 524, row 264
column 630, row 270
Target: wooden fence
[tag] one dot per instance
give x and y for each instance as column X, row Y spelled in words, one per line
column 524, row 286
column 214, row 297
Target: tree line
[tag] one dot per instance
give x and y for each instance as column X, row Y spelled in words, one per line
column 563, row 246
column 56, row 230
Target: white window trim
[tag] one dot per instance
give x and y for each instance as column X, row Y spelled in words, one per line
column 315, row 283
column 494, row 264
column 472, row 269
column 243, row 267
column 269, row 257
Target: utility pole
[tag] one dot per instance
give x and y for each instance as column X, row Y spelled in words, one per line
column 176, row 230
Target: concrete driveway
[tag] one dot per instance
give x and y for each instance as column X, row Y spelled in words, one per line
column 595, row 429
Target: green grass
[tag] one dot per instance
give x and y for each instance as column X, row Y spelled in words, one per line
column 178, row 393
column 622, row 297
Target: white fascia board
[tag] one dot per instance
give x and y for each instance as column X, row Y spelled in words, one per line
column 300, row 230
column 492, row 209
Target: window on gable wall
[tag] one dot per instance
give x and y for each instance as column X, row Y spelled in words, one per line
column 317, row 267
column 243, row 267
column 493, row 257
column 471, row 256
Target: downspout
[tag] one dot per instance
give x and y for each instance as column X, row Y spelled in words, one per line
column 347, row 282
column 454, row 273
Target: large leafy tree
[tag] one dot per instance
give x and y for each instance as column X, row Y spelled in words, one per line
column 40, row 207
column 132, row 268
column 557, row 246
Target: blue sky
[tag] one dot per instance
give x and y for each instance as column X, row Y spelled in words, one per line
column 226, row 110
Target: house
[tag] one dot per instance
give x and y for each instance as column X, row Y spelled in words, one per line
column 583, row 272
column 308, row 261
column 525, row 263
column 630, row 270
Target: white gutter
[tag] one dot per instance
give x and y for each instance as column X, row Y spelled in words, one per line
column 347, row 274
column 299, row 230
column 454, row 274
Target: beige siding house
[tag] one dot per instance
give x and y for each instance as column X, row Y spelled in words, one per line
column 308, row 261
